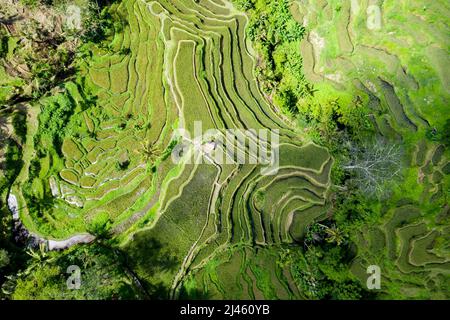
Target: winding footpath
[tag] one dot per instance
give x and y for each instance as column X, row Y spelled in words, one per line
column 50, row 243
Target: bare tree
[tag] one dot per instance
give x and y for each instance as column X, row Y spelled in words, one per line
column 373, row 165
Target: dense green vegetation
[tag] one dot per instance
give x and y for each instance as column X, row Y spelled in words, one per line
column 103, row 275
column 276, row 36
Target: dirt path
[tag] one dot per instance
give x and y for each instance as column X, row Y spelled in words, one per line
column 76, row 239
column 51, row 244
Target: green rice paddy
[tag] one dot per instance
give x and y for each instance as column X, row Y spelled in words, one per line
column 217, row 228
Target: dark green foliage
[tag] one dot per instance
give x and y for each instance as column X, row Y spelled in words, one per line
column 287, row 99
column 151, row 259
column 35, row 167
column 103, row 276
column 102, row 23
column 19, row 122
column 442, row 136
column 13, row 161
column 275, row 24
column 53, row 120
column 3, row 45
column 39, row 206
column 335, row 124
column 276, row 36
column 322, row 272
column 101, row 227
column 352, row 210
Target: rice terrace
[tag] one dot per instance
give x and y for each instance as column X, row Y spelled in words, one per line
column 224, row 149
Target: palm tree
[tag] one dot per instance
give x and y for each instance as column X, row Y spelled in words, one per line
column 40, row 258
column 334, row 235
column 150, row 152
column 310, row 90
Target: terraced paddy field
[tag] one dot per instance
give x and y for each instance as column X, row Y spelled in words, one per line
column 215, row 230
column 173, row 63
column 386, row 54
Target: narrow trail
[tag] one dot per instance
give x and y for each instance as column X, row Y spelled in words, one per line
column 51, row 244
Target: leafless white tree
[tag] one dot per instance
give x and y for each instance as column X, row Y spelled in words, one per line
column 374, row 164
